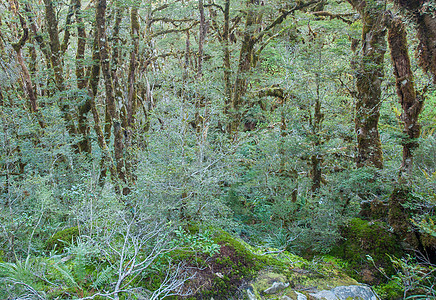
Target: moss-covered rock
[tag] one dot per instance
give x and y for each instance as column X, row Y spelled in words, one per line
column 62, row 238
column 312, row 277
column 239, row 269
column 367, row 238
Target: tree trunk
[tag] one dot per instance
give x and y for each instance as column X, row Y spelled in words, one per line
column 110, row 99
column 27, row 80
column 92, row 92
column 227, row 66
column 410, row 101
column 316, row 158
column 132, row 92
column 81, row 44
column 201, row 38
column 55, row 55
column 245, row 63
column 369, row 77
column 114, row 63
column 85, row 107
column 68, row 21
column 422, row 12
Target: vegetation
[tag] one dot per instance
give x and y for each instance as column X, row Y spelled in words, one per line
column 189, row 149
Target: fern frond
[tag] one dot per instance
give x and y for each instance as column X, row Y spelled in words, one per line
column 66, row 274
column 104, row 277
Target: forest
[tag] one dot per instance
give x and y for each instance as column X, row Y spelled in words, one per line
column 196, row 149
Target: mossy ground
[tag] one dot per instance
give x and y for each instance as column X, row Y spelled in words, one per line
column 226, row 274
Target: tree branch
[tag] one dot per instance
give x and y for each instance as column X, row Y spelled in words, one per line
column 283, row 17
column 333, row 16
column 215, row 5
column 175, row 30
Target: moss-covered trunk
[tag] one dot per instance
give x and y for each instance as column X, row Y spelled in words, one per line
column 132, row 101
column 245, row 63
column 110, row 99
column 410, row 101
column 85, row 107
column 369, row 77
column 423, row 14
column 227, row 66
column 55, row 59
column 92, row 91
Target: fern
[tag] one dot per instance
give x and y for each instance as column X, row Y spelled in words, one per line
column 104, row 277
column 67, row 276
column 19, row 271
column 79, row 267
column 19, row 279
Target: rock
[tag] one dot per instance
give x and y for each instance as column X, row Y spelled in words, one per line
column 300, row 296
column 346, row 292
column 276, row 287
column 325, row 295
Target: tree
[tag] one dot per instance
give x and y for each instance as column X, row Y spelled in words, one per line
column 369, row 78
column 422, row 13
column 411, row 101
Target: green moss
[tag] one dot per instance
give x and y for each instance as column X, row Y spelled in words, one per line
column 62, row 238
column 193, row 228
column 391, row 290
column 363, row 238
column 239, row 264
column 264, row 269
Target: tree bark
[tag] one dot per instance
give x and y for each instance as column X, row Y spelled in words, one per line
column 132, row 92
column 424, row 16
column 245, row 63
column 55, row 55
column 227, row 66
column 68, row 21
column 92, row 92
column 85, row 107
column 411, row 102
column 34, row 29
column 110, row 99
column 114, row 63
column 81, row 44
column 202, row 35
column 316, row 158
column 27, row 79
column 369, row 77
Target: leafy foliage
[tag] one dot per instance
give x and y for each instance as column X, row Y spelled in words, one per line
column 254, row 134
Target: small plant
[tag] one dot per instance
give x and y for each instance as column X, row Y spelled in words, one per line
column 198, row 242
column 415, row 280
column 18, row 279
